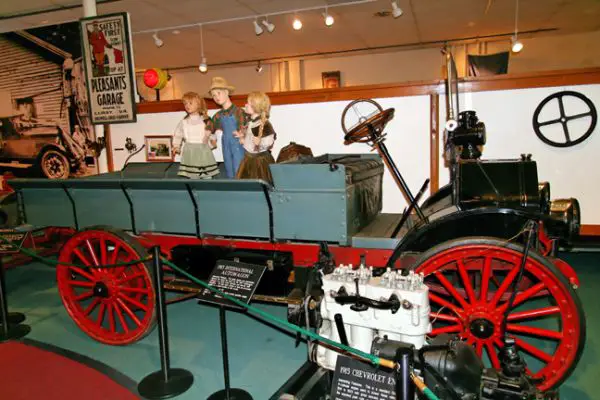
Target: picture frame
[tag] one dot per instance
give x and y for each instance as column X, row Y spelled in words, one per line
column 331, row 79
column 159, row 148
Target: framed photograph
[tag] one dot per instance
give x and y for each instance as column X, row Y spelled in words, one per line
column 331, row 79
column 109, row 70
column 159, row 148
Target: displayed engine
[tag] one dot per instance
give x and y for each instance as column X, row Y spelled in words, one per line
column 386, row 314
column 358, row 308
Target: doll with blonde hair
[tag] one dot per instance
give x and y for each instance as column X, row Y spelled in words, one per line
column 194, row 141
column 258, row 139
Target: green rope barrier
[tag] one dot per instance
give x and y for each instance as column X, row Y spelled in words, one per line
column 373, row 359
column 55, row 262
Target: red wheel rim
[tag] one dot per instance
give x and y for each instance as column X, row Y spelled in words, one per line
column 469, row 289
column 112, row 305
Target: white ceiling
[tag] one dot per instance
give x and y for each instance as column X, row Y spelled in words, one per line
column 356, row 26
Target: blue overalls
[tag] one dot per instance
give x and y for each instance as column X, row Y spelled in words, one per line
column 233, row 151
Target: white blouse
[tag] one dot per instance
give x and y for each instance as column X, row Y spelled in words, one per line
column 191, row 130
column 266, row 142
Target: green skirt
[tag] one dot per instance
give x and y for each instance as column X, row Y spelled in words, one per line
column 197, row 162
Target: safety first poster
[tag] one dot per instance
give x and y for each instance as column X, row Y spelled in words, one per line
column 109, row 68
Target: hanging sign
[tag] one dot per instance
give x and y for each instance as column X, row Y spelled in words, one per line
column 108, row 60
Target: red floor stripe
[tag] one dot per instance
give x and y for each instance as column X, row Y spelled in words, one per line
column 28, row 373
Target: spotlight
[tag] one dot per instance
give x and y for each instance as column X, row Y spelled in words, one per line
column 328, row 18
column 396, row 10
column 203, row 67
column 257, row 29
column 297, row 24
column 270, row 27
column 517, row 46
column 259, row 67
column 157, row 41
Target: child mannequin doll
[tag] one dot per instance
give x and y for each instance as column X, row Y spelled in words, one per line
column 229, row 120
column 258, row 139
column 194, row 133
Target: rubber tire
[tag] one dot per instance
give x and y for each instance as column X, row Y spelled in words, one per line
column 141, row 251
column 490, row 241
column 63, row 158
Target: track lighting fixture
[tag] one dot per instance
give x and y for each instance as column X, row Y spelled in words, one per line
column 396, row 10
column 157, row 41
column 328, row 18
column 203, row 67
column 516, row 45
column 270, row 27
column 259, row 67
column 297, row 24
column 257, row 29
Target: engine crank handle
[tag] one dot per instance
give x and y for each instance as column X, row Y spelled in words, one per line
column 393, row 305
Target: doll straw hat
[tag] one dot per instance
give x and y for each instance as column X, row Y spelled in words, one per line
column 220, row 83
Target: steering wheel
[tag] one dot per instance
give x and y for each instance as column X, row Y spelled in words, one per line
column 372, row 118
column 571, row 138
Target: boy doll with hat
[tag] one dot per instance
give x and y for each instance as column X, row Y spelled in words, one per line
column 229, row 119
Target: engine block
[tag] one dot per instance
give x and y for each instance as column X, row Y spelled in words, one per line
column 407, row 322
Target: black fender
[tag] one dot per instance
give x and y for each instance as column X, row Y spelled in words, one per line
column 442, row 193
column 502, row 223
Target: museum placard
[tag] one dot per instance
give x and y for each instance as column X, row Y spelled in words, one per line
column 108, row 59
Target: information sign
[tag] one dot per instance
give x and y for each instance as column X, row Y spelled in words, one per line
column 355, row 380
column 236, row 279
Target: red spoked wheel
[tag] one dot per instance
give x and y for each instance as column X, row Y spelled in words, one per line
column 470, row 282
column 114, row 305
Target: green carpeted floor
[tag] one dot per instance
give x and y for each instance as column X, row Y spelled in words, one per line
column 262, row 358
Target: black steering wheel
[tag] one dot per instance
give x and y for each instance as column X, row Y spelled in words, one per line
column 571, row 138
column 369, row 126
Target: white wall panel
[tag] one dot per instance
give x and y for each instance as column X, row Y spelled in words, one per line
column 572, row 172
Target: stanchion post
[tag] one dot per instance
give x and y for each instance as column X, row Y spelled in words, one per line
column 8, row 329
column 223, row 323
column 405, row 389
column 228, row 393
column 168, row 382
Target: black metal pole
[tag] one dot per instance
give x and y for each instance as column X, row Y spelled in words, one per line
column 3, row 305
column 161, row 314
column 405, row 390
column 167, row 382
column 225, row 352
column 9, row 329
column 383, row 151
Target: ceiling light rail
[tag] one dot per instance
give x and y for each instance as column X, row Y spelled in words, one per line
column 253, row 16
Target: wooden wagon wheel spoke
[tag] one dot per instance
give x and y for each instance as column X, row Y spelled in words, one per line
column 113, row 305
column 83, row 273
column 534, row 351
column 547, row 298
column 450, row 288
column 532, row 314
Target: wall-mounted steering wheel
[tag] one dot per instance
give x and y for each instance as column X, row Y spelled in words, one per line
column 369, row 125
column 571, row 138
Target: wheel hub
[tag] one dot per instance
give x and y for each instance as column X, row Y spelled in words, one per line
column 481, row 328
column 101, row 290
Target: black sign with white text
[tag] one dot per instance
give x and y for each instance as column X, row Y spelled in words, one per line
column 355, row 380
column 236, row 279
